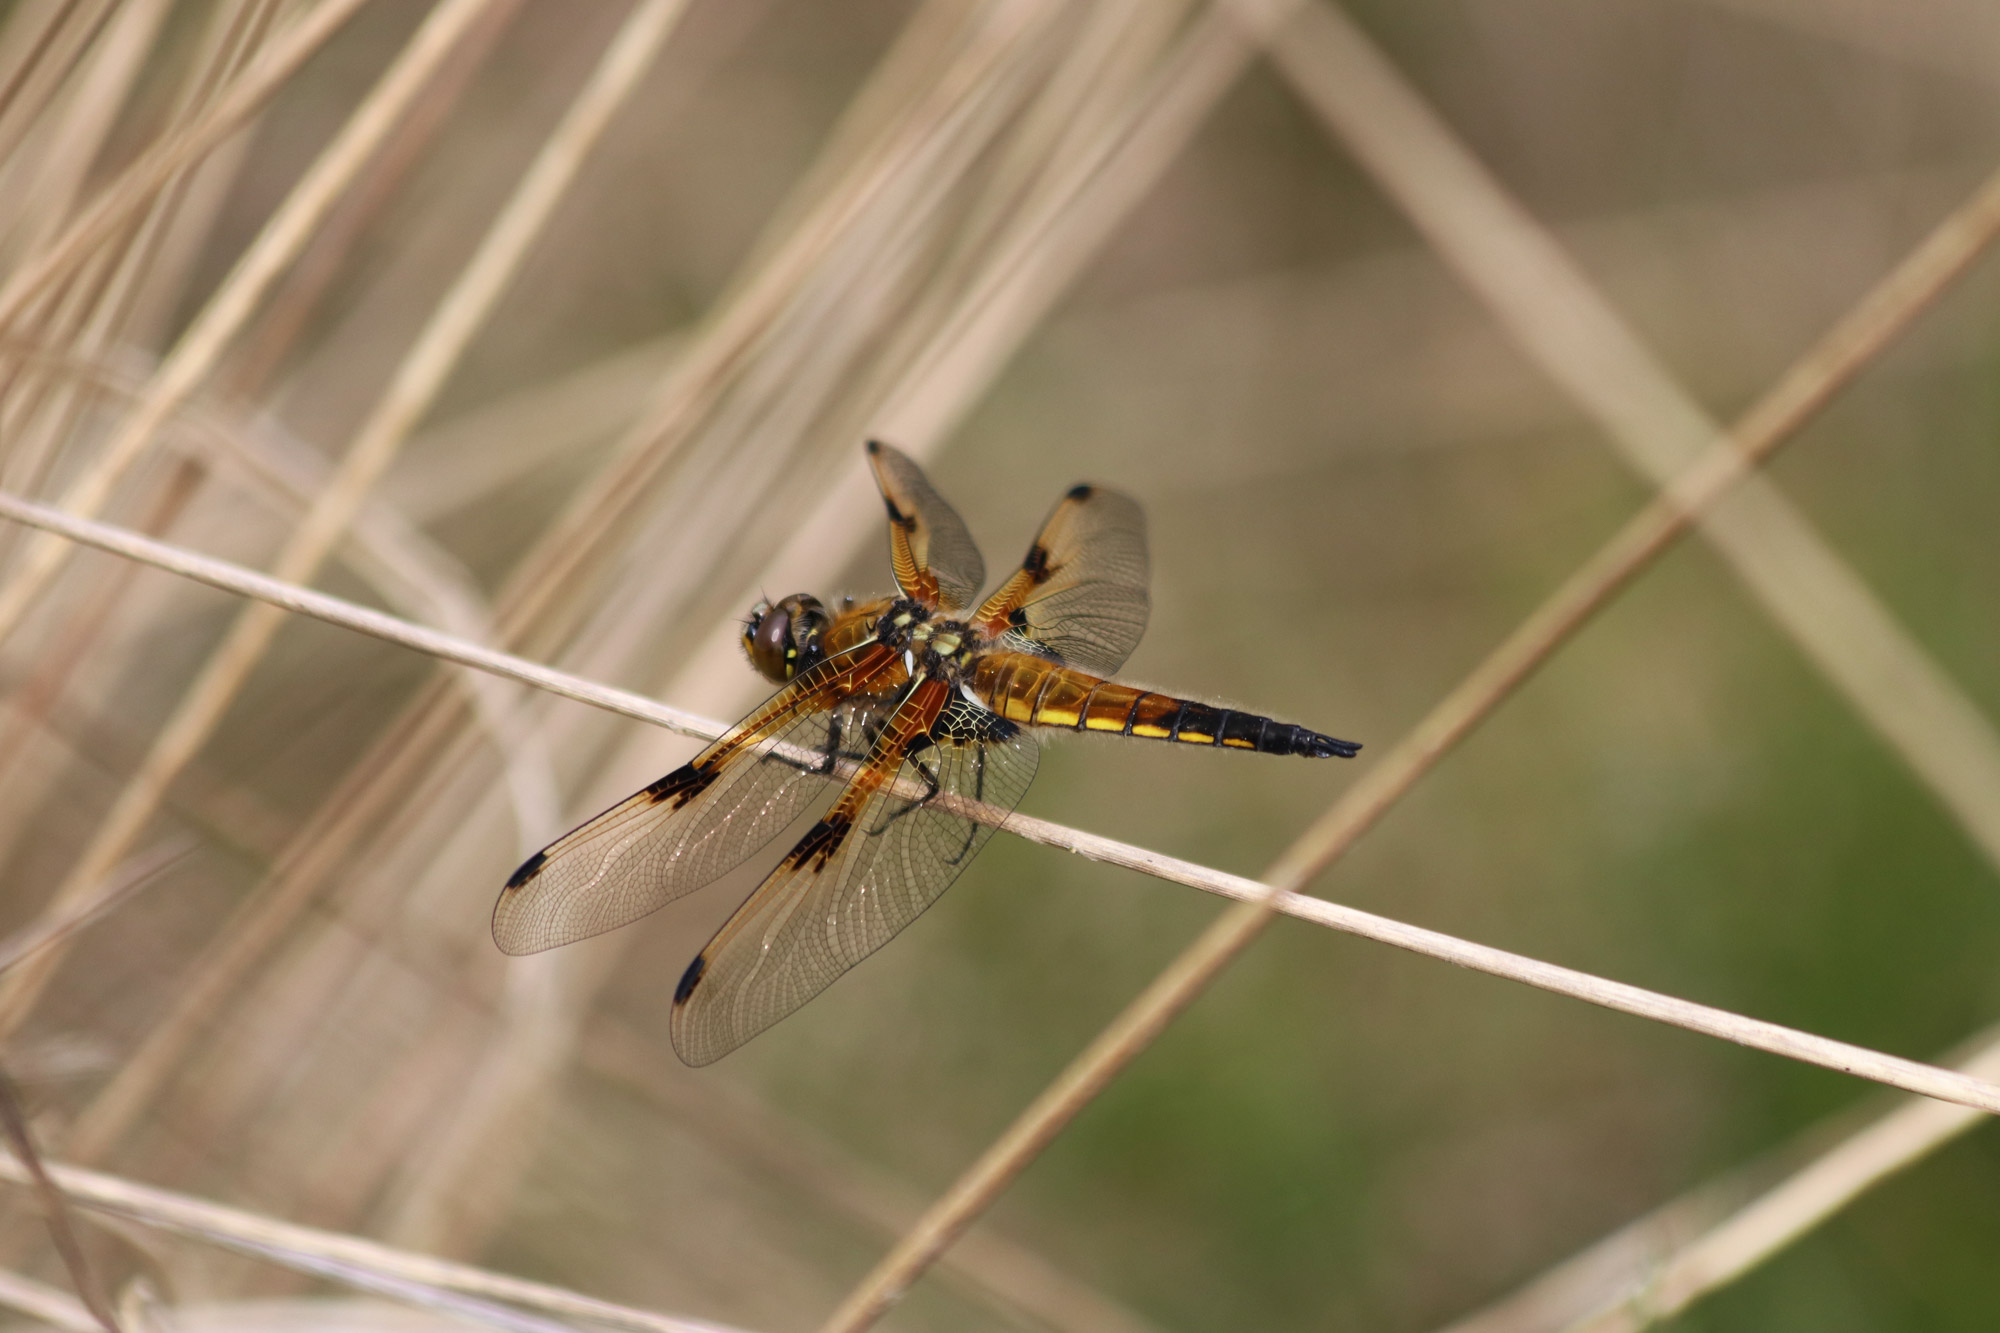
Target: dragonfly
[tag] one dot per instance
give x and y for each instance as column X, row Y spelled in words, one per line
column 923, row 708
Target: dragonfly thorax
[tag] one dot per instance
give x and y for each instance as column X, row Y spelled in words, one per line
column 934, row 643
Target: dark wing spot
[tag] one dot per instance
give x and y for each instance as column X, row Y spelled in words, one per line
column 690, row 978
column 1037, row 563
column 1082, row 492
column 527, row 870
column 682, row 785
column 822, row 840
column 873, row 446
column 1018, row 617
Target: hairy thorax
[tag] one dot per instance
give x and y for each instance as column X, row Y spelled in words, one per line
column 930, row 643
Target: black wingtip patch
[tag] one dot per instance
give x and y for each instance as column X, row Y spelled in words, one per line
column 527, row 870
column 690, row 979
column 1082, row 491
column 873, row 446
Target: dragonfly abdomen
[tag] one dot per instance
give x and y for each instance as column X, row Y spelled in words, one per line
column 1029, row 690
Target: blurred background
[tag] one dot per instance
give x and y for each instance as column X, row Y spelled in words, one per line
column 1034, row 244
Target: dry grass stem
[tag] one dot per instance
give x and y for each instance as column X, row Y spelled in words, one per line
column 1099, row 185
column 54, row 1208
column 43, row 61
column 526, row 1050
column 410, row 571
column 1873, row 323
column 464, row 1309
column 1011, row 221
column 136, row 186
column 1782, row 1215
column 1003, row 1272
column 283, row 236
column 136, row 874
column 1572, row 332
column 530, row 1045
column 419, row 378
column 301, row 293
column 51, row 1305
column 427, row 747
column 1365, row 802
column 936, row 136
column 1657, row 1267
column 460, row 462
column 43, row 64
column 349, row 1259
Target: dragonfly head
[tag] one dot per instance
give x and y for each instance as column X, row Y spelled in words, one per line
column 784, row 640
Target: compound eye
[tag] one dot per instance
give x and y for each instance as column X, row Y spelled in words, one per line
column 767, row 640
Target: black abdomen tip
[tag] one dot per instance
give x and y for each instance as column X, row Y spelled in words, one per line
column 1313, row 745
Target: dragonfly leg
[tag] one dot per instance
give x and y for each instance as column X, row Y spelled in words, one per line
column 933, row 787
column 978, row 794
column 832, row 743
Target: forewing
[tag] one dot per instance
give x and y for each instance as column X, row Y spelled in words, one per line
column 826, row 908
column 933, row 556
column 1080, row 596
column 695, row 824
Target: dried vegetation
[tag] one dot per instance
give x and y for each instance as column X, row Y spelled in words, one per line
column 553, row 328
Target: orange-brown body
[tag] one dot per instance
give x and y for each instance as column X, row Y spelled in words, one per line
column 1033, row 691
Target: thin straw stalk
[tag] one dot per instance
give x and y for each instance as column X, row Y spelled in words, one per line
column 277, row 244
column 136, row 874
column 1658, row 1265
column 1788, row 1210
column 54, row 1207
column 419, row 378
column 526, row 1050
column 1833, row 361
column 46, row 60
column 120, row 290
column 995, row 1268
column 1559, row 319
column 342, row 1258
column 51, row 1305
column 542, row 595
column 411, row 573
column 1345, row 821
column 135, row 186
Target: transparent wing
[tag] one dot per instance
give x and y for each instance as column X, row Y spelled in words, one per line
column 933, row 556
column 1080, row 596
column 700, row 821
column 848, row 888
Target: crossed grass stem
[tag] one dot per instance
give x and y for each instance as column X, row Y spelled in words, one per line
column 1853, row 342
column 1643, row 538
